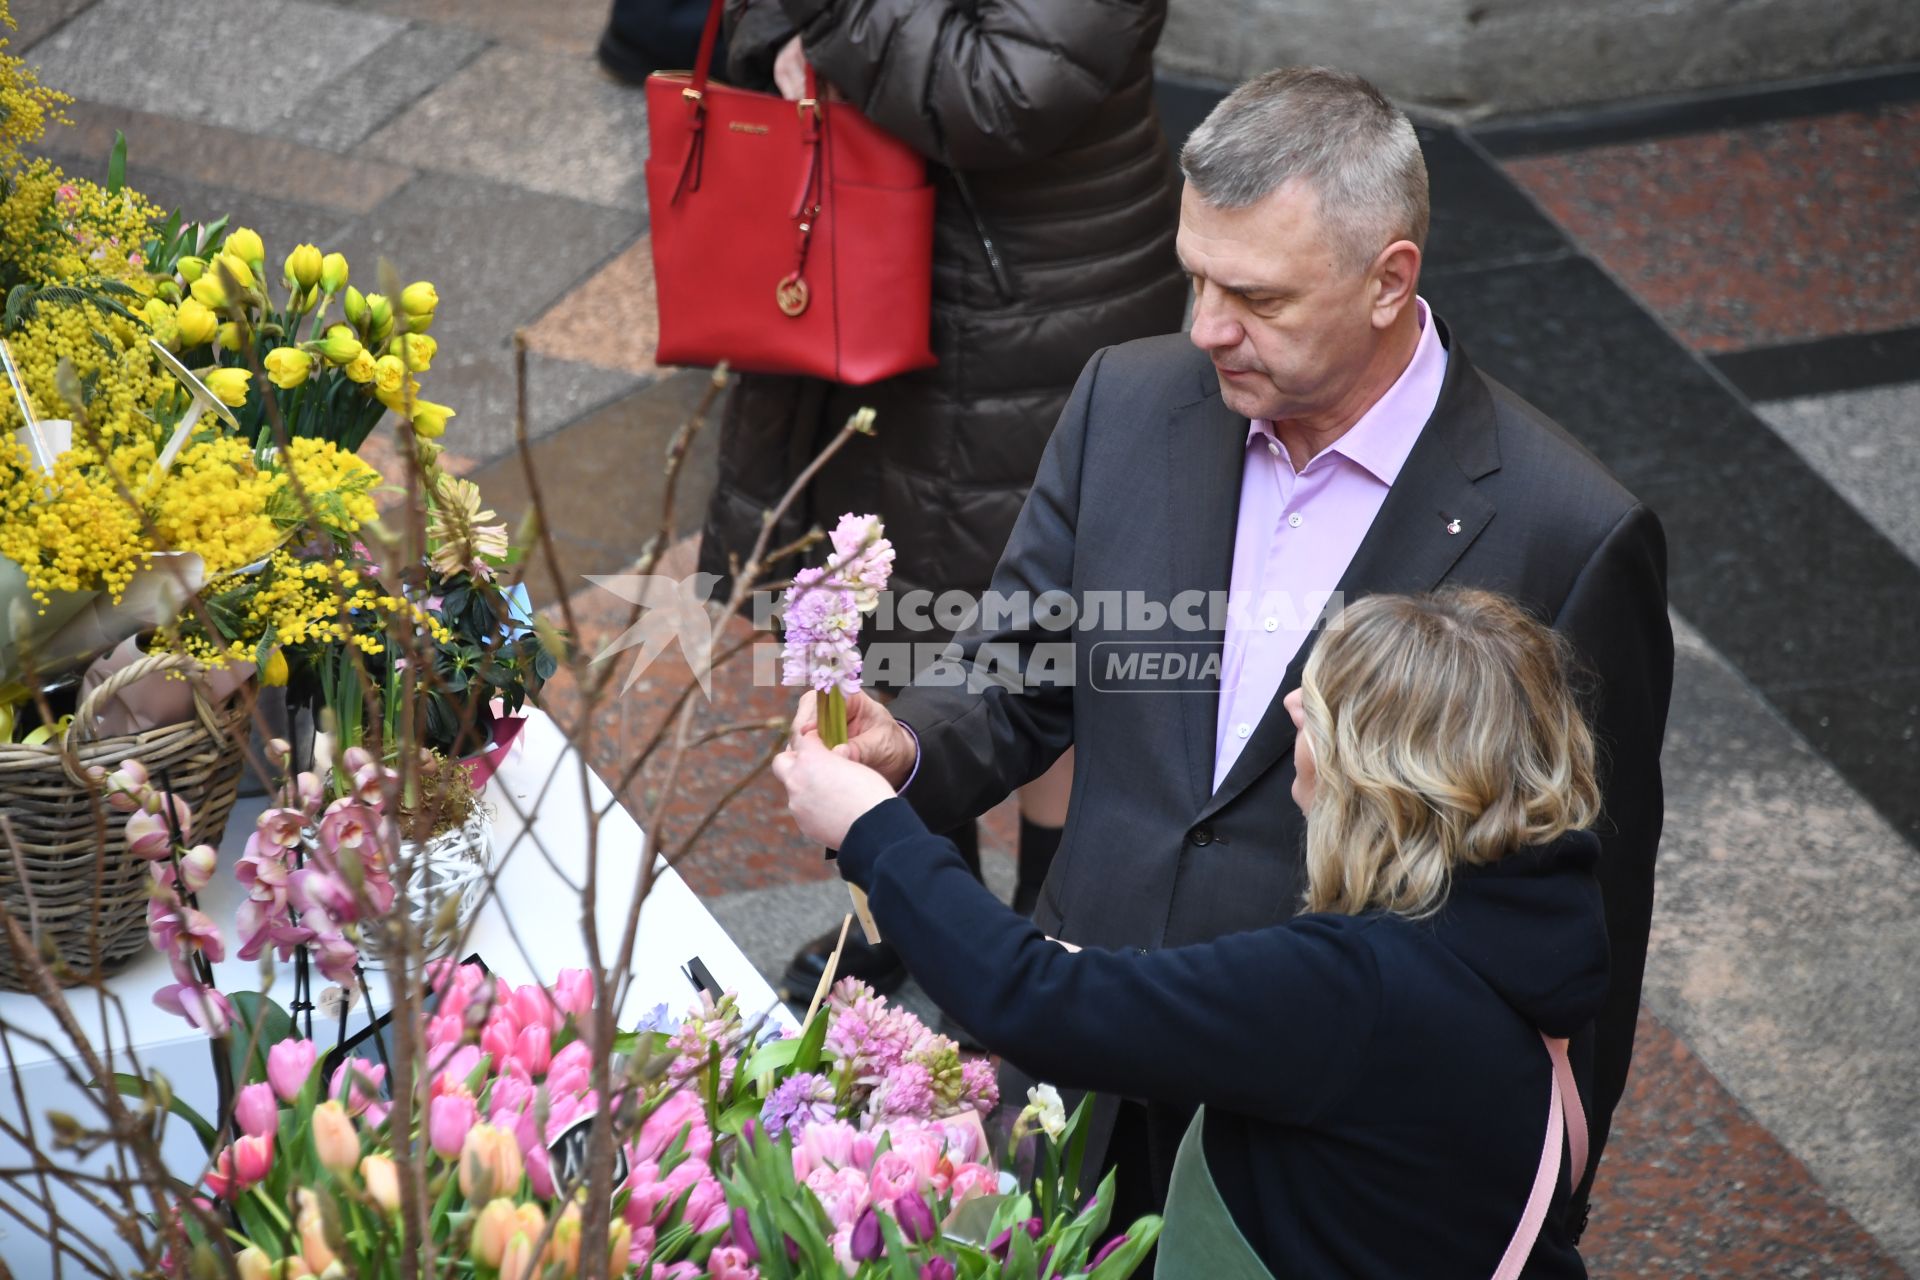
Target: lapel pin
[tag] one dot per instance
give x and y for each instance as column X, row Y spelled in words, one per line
column 1453, row 526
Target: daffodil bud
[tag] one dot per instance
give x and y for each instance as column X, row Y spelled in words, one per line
column 417, row 350
column 229, row 337
column 379, row 315
column 237, row 268
column 430, row 419
column 288, row 367
column 167, row 289
column 209, row 293
column 420, row 323
column 190, row 268
column 356, row 306
column 333, row 272
column 156, row 312
column 361, row 367
column 244, row 244
column 419, row 299
column 197, row 322
column 304, row 265
column 229, row 385
column 340, row 345
column 274, row 674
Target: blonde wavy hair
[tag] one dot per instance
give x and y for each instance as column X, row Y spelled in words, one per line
column 1445, row 731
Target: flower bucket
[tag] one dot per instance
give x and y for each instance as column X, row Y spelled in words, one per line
column 452, row 865
column 65, row 874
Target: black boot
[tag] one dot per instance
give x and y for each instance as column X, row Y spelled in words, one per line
column 1038, row 844
column 877, row 965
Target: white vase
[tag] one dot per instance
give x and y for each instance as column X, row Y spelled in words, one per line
column 452, row 864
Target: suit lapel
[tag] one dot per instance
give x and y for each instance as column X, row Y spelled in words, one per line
column 1206, row 450
column 1410, row 547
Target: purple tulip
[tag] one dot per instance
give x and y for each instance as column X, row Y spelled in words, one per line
column 937, row 1269
column 1004, row 1241
column 866, row 1244
column 914, row 1217
column 1106, row 1250
column 742, row 1237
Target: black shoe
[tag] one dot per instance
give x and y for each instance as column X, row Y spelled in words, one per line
column 876, row 965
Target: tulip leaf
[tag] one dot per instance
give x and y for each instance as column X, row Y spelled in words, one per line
column 770, row 1057
column 812, row 1041
column 133, row 1086
column 1125, row 1260
column 899, row 1256
column 117, row 164
column 251, row 1009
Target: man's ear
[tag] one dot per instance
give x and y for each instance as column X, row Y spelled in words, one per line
column 1396, row 277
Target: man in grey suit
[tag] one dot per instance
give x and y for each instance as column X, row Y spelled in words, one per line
column 1318, row 431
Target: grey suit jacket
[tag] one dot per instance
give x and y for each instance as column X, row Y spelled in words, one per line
column 1139, row 492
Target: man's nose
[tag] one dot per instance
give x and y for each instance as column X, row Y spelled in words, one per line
column 1214, row 328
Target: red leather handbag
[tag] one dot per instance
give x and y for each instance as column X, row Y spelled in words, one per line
column 788, row 237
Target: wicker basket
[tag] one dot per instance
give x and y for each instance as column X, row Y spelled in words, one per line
column 84, row 901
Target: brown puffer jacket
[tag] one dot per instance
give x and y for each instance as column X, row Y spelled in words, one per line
column 1046, row 109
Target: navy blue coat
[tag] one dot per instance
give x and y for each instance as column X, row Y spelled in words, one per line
column 1376, row 1086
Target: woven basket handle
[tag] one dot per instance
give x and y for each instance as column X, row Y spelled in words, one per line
column 135, row 671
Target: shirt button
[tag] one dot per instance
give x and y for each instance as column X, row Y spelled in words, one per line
column 1296, row 520
column 1273, row 447
column 1271, row 624
column 1244, row 730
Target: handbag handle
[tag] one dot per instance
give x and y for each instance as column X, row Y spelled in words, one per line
column 695, row 95
column 703, row 61
column 1564, row 1112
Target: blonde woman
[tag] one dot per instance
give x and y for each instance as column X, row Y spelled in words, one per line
column 1376, row 1088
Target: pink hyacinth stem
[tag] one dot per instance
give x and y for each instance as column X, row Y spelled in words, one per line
column 833, row 733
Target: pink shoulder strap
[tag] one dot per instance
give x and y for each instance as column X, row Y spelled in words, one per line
column 1560, row 1116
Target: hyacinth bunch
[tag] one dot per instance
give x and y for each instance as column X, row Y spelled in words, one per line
column 823, row 607
column 853, row 1148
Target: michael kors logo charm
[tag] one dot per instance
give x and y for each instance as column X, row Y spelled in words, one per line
column 791, row 294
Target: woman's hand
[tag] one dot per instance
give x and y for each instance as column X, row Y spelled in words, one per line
column 790, row 71
column 874, row 737
column 826, row 792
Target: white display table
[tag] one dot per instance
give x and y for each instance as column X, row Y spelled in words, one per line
column 531, row 892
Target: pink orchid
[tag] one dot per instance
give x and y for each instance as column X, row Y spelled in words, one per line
column 148, row 836
column 197, row 866
column 279, row 827
column 205, row 1008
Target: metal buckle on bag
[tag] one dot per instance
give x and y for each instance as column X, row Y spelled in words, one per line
column 808, row 104
column 692, row 95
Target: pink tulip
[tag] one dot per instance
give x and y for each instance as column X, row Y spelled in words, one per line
column 335, row 1143
column 239, row 1165
column 496, row 1039
column 972, row 1180
column 255, row 1110
column 706, row 1208
column 823, row 1145
column 533, row 1049
column 645, row 1193
column 367, row 1079
column 539, row 1165
column 573, row 992
column 842, row 1193
column 571, row 1069
column 509, row 1097
column 531, row 1006
column 518, row 1260
column 680, row 1111
column 449, row 1117
column 453, row 1070
column 289, row 1064
column 731, row 1263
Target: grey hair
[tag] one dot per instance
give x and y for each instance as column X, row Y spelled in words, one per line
column 1330, row 129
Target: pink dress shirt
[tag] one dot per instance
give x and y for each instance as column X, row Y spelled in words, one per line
column 1298, row 530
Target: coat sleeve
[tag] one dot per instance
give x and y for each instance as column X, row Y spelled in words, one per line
column 1273, row 1023
column 992, row 717
column 975, row 85
column 1616, row 618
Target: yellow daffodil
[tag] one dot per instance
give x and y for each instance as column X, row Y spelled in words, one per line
column 209, row 293
column 244, row 244
column 274, row 674
column 304, row 265
column 197, row 322
column 229, row 385
column 230, row 336
column 167, row 289
column 417, row 350
column 430, row 419
column 389, row 373
column 333, row 272
column 420, row 323
column 419, row 299
column 356, row 304
column 340, row 345
column 361, row 367
column 191, row 268
column 288, row 367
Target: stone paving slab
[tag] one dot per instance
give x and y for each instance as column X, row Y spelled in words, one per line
column 532, row 118
column 566, row 26
column 343, row 110
column 1867, row 444
column 218, row 157
column 1785, row 943
column 206, row 60
column 34, row 20
column 611, row 319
